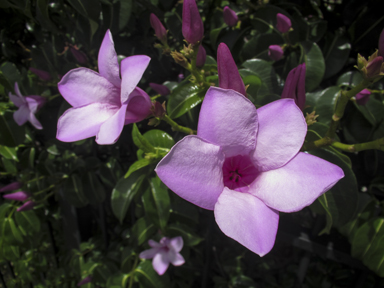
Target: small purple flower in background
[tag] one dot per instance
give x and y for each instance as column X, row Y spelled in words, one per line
column 161, row 89
column 229, row 77
column 294, row 87
column 230, row 17
column 362, row 97
column 201, row 57
column 26, row 206
column 18, row 196
column 246, row 165
column 163, row 253
column 86, row 280
column 160, row 31
column 192, row 26
column 28, row 106
column 180, row 77
column 381, row 43
column 43, row 75
column 79, row 55
column 283, row 23
column 275, row 52
column 11, row 187
column 102, row 102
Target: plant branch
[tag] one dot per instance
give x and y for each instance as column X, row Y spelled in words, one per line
column 177, row 127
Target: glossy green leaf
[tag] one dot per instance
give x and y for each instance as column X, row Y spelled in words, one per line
column 148, row 277
column 9, row 165
column 141, row 163
column 10, row 252
column 315, row 65
column 124, row 13
column 336, row 53
column 12, row 74
column 254, row 83
column 350, row 78
column 118, row 280
column 143, row 230
column 257, row 47
column 325, row 104
column 28, row 221
column 158, row 138
column 4, row 209
column 328, row 215
column 73, row 191
column 265, row 71
column 140, row 141
column 8, row 152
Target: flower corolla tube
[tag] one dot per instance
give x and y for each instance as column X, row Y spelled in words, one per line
column 294, row 87
column 246, row 165
column 102, row 102
column 283, row 23
column 192, row 25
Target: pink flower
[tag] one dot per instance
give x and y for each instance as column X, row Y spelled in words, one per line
column 275, row 52
column 161, row 89
column 86, row 280
column 362, row 97
column 294, row 87
column 160, row 31
column 43, row 75
column 26, row 206
column 201, row 57
column 11, row 187
column 229, row 77
column 102, row 102
column 28, row 106
column 283, row 23
column 18, row 196
column 230, row 17
column 246, row 165
column 192, row 26
column 163, row 253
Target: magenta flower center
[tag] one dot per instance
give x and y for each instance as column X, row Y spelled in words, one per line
column 239, row 172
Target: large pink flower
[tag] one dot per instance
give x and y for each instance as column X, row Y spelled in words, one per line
column 246, row 166
column 102, row 102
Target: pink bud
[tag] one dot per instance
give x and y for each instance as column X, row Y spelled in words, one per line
column 201, row 56
column 229, row 77
column 11, row 187
column 79, row 55
column 230, row 17
column 18, row 196
column 283, row 23
column 192, row 26
column 374, row 67
column 161, row 89
column 381, row 43
column 26, row 206
column 160, row 31
column 362, row 97
column 275, row 52
column 294, row 87
column 43, row 75
column 85, row 281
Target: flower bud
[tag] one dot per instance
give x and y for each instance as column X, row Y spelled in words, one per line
column 230, row 17
column 229, row 77
column 43, row 75
column 26, row 206
column 160, row 31
column 294, row 87
column 374, row 67
column 371, row 69
column 86, row 280
column 362, row 97
column 381, row 44
column 201, row 56
column 161, row 89
column 79, row 55
column 283, row 23
column 11, row 187
column 18, row 196
column 192, row 26
column 158, row 110
column 275, row 52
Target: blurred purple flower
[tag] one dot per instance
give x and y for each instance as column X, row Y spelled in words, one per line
column 160, row 31
column 180, row 77
column 79, row 55
column 26, row 206
column 192, row 26
column 201, row 57
column 246, row 165
column 294, row 87
column 230, row 17
column 28, row 106
column 11, row 187
column 163, row 253
column 275, row 52
column 43, row 75
column 161, row 89
column 362, row 97
column 229, row 77
column 283, row 23
column 102, row 102
column 381, row 43
column 18, row 196
column 86, row 280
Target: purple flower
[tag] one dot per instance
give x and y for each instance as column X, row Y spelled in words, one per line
column 43, row 75
column 192, row 26
column 28, row 106
column 275, row 52
column 26, row 206
column 246, row 165
column 102, row 102
column 163, row 253
column 161, row 89
column 381, row 43
column 230, row 17
column 160, row 31
column 86, row 280
column 229, row 77
column 201, row 57
column 18, row 196
column 283, row 23
column 79, row 55
column 362, row 97
column 294, row 87
column 11, row 187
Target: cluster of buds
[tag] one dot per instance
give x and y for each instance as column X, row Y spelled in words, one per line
column 373, row 68
column 21, row 196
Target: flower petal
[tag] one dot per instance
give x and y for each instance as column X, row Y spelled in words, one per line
column 247, row 220
column 193, row 170
column 83, row 122
column 149, row 254
column 111, row 129
column 229, row 120
column 175, row 258
column 21, row 115
column 282, row 129
column 36, row 123
column 297, row 184
column 154, row 244
column 108, row 64
column 176, row 243
column 132, row 69
column 84, row 86
column 139, row 106
column 160, row 262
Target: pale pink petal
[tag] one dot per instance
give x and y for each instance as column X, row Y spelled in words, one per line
column 111, row 129
column 149, row 254
column 176, row 243
column 17, row 100
column 193, row 170
column 83, row 122
column 21, row 115
column 282, row 129
column 160, row 262
column 247, row 220
column 175, row 258
column 229, row 120
column 132, row 69
column 32, row 119
column 17, row 90
column 32, row 104
column 83, row 86
column 108, row 64
column 139, row 106
column 154, row 244
column 297, row 184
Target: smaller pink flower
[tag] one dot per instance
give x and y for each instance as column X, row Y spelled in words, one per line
column 28, row 106
column 86, row 280
column 362, row 97
column 275, row 52
column 230, row 17
column 163, row 253
column 11, row 187
column 283, row 23
column 26, row 206
column 18, row 196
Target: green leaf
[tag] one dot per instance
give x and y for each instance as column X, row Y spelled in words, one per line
column 189, row 236
column 28, row 221
column 10, row 252
column 124, row 13
column 350, row 78
column 42, row 15
column 258, row 45
column 4, row 208
column 12, row 74
column 9, row 166
column 325, row 103
column 73, row 191
column 93, row 189
column 148, row 277
column 328, row 216
column 315, row 65
column 124, row 192
column 337, row 48
column 11, row 134
column 159, row 139
column 143, row 229
column 140, row 141
column 254, row 83
column 141, row 163
column 8, row 152
column 9, row 232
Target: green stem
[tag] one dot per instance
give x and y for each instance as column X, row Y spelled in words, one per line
column 177, row 127
column 132, row 273
column 376, row 144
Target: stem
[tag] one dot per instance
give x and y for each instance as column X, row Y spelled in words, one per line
column 132, row 273
column 376, row 144
column 177, row 127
